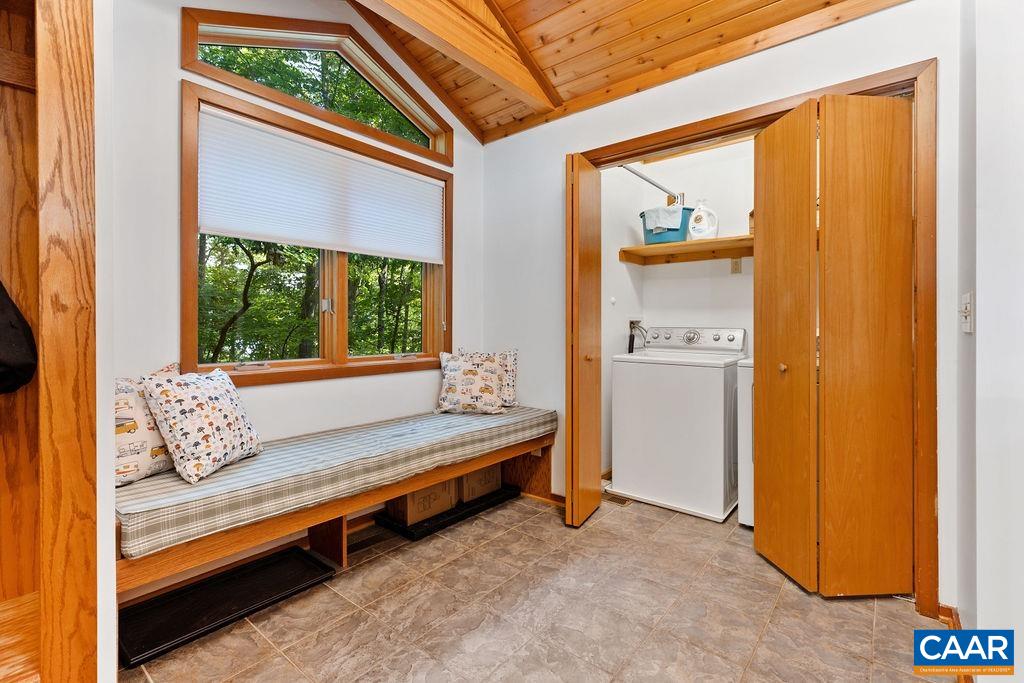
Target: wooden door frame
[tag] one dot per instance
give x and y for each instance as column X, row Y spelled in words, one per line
column 920, row 80
column 66, row 336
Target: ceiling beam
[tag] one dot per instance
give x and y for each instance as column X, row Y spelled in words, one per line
column 524, row 53
column 452, row 28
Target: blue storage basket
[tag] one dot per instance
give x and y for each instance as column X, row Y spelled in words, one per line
column 670, row 235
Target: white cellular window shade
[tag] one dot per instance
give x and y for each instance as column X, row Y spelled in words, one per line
column 262, row 183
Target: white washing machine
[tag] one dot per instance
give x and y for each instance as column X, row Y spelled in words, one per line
column 745, row 436
column 674, row 420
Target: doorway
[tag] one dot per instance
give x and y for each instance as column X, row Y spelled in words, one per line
column 583, row 350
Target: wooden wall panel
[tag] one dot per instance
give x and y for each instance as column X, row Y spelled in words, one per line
column 19, row 272
column 67, row 340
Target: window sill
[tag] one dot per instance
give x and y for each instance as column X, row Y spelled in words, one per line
column 312, row 372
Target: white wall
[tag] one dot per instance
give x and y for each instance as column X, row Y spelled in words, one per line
column 147, row 81
column 621, row 283
column 524, row 246
column 967, row 518
column 1000, row 365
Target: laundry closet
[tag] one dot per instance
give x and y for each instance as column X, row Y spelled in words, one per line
column 798, row 322
column 673, row 384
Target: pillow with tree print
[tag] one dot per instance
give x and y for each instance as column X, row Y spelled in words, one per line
column 202, row 420
column 509, row 361
column 470, row 385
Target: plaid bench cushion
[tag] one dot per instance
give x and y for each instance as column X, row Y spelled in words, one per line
column 291, row 474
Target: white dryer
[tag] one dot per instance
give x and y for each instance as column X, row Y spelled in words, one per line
column 745, row 435
column 674, row 420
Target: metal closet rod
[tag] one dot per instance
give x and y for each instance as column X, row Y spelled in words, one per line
column 678, row 195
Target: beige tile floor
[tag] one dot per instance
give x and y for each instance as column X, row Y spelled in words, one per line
column 640, row 593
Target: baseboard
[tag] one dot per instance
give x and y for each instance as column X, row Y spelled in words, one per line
column 550, row 499
column 950, row 616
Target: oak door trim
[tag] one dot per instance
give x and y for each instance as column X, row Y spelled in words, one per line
column 920, row 79
column 66, row 336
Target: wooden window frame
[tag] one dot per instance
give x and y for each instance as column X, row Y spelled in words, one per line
column 335, row 361
column 319, row 35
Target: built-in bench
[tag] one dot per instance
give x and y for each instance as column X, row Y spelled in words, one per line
column 168, row 526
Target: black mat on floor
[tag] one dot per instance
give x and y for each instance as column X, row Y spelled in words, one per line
column 154, row 627
column 415, row 532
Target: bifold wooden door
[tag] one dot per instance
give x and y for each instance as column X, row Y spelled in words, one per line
column 785, row 310
column 867, row 359
column 833, row 439
column 583, row 340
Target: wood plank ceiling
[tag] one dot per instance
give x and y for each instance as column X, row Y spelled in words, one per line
column 586, row 52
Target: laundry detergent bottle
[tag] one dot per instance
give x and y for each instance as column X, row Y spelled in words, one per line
column 703, row 222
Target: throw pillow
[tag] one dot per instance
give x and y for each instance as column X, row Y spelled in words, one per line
column 141, row 451
column 509, row 361
column 470, row 385
column 202, row 419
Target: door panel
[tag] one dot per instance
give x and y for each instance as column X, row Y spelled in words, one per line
column 866, row 292
column 583, row 340
column 785, row 303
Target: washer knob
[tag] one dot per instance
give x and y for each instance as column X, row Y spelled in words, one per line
column 668, row 335
column 731, row 337
column 716, row 336
column 655, row 335
column 691, row 336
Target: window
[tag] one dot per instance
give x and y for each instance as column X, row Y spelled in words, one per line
column 258, row 301
column 312, row 255
column 320, row 77
column 322, row 69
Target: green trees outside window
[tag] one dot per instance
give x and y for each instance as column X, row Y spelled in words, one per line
column 320, row 77
column 385, row 306
column 258, row 301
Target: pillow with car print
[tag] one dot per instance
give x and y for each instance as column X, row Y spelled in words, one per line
column 509, row 361
column 140, row 448
column 202, row 420
column 471, row 384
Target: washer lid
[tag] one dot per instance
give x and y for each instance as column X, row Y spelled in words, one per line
column 668, row 357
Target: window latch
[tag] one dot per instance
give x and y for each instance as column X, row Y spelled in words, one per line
column 252, row 365
column 327, row 305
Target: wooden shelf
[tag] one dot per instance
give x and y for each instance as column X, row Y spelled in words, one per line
column 695, row 250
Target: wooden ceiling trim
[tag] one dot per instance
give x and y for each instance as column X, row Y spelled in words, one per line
column 474, row 90
column 579, row 20
column 452, row 29
column 494, row 102
column 710, row 24
column 456, row 77
column 506, row 116
column 694, row 45
column 524, row 54
column 527, row 12
column 632, row 21
column 841, row 12
column 399, row 48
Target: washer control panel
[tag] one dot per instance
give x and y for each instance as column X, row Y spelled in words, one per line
column 709, row 339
